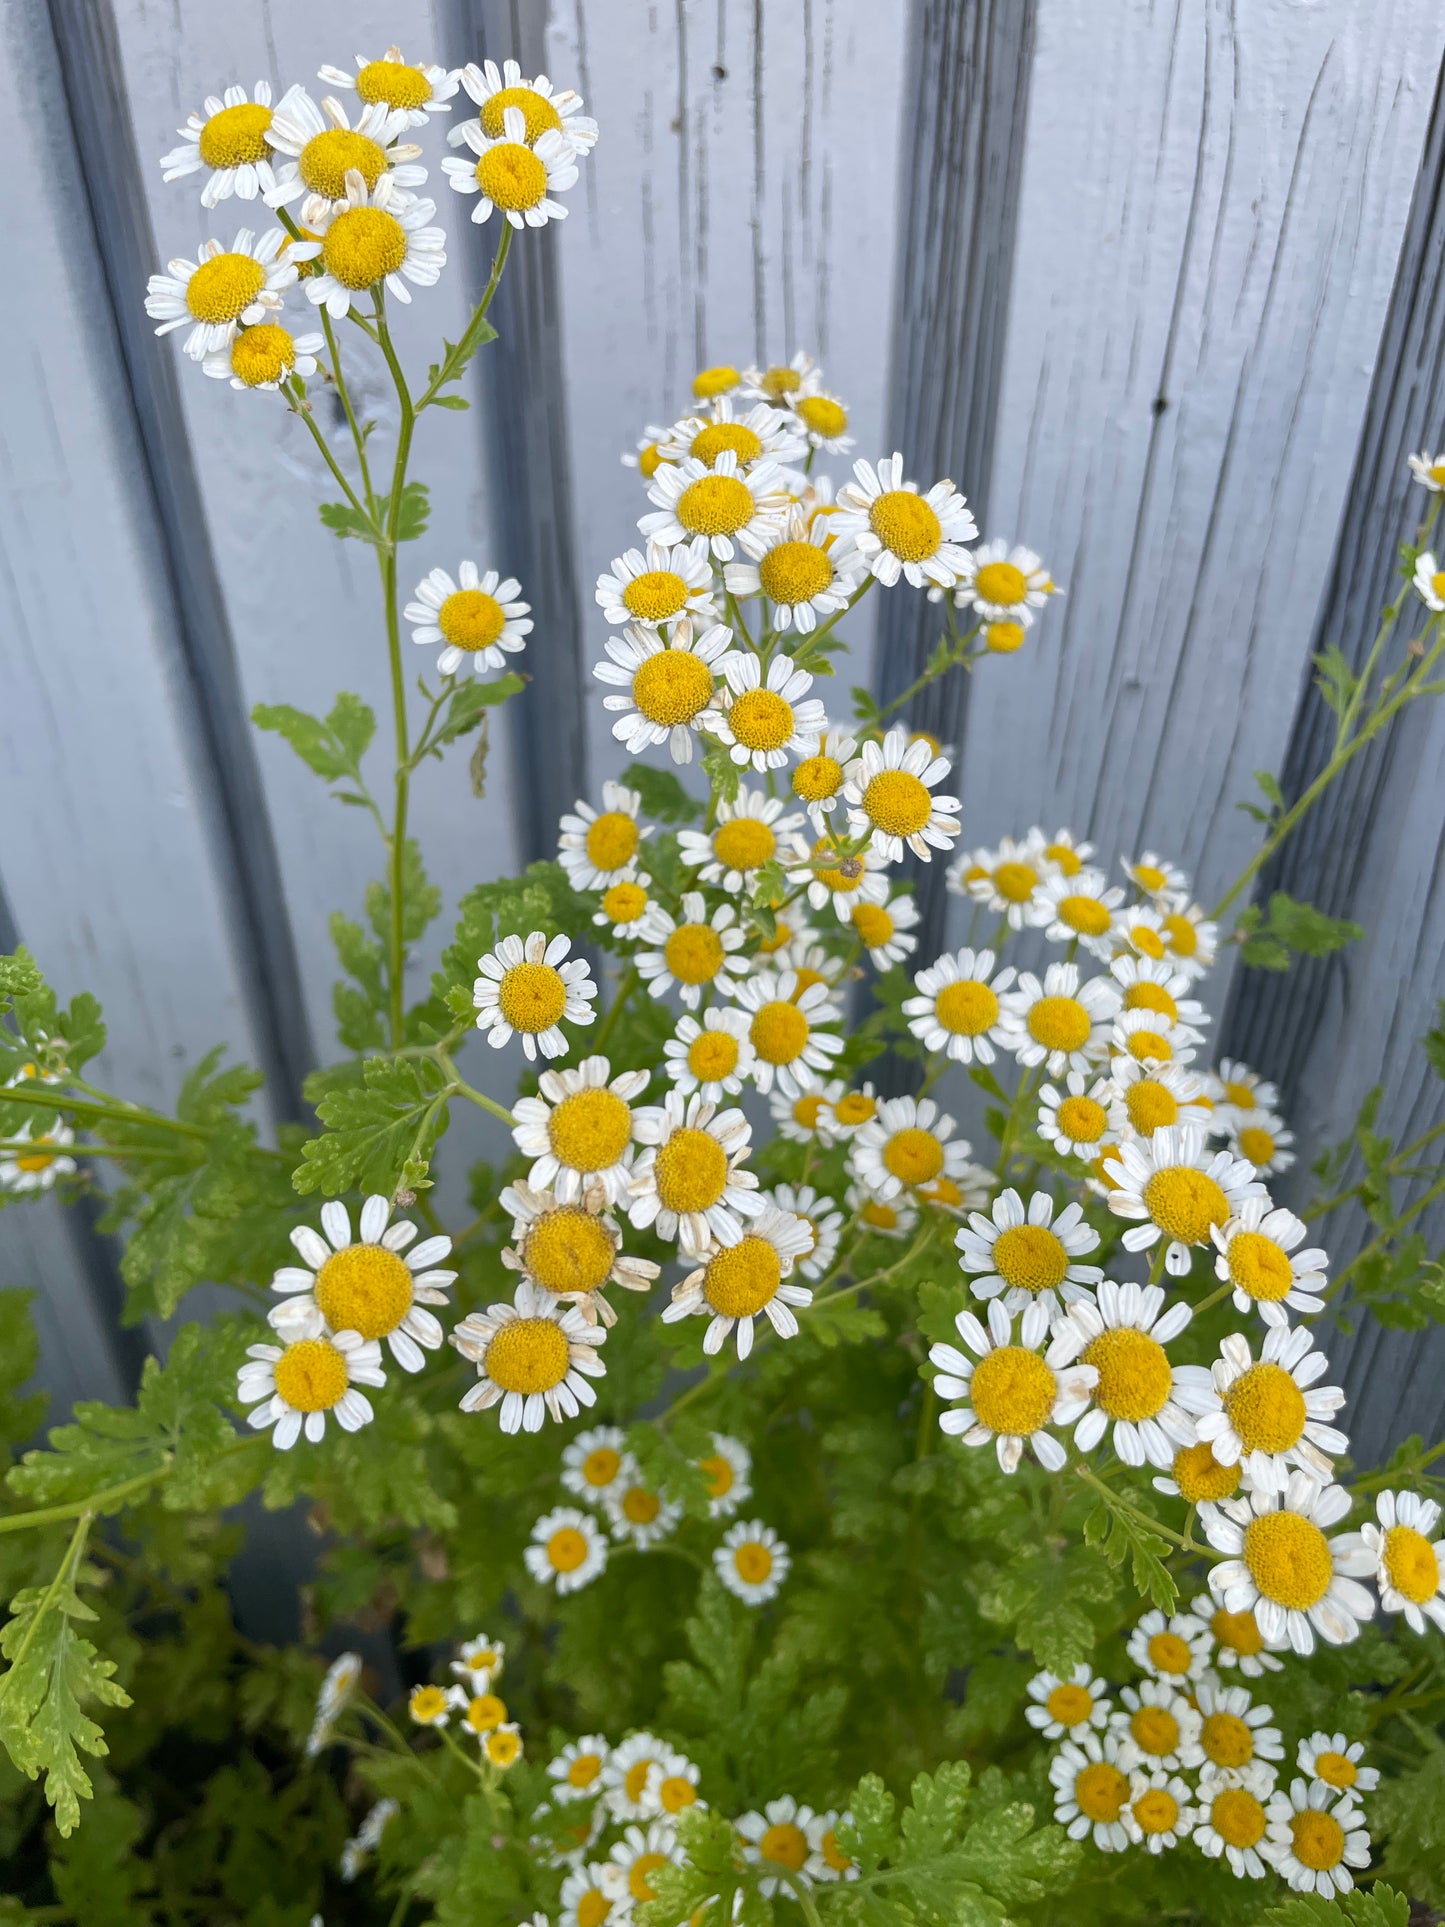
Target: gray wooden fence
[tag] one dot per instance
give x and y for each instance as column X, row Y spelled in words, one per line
column 1161, row 286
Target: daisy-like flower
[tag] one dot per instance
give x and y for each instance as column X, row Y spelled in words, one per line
column 503, row 1748
column 885, row 930
column 545, row 109
column 370, row 238
column 842, row 881
column 533, row 1358
column 510, row 177
column 1236, row 1735
column 780, row 380
column 1262, row 1138
column 1315, row 1837
column 660, row 587
column 899, row 531
column 1179, row 1192
column 1150, row 1097
column 818, row 779
column 1144, row 1037
column 764, row 716
column 969, row 1191
column 431, row 1705
column 1407, row 1557
column 638, row 1515
column 1237, row 1638
column 1091, row 1790
column 1195, row 1475
column 1159, row 1814
column 712, row 1057
column 958, row 1008
column 476, row 621
column 1430, row 581
column 1011, row 1392
column 1003, row 584
column 788, row 1030
column 1269, row 1416
column 1190, row 939
column 1078, row 909
column 576, row 1772
column 688, row 1180
column 480, row 1665
column 572, row 1251
column 37, row 1167
column 751, row 830
column 752, row 1562
column 1175, row 1648
column 1006, row 880
column 1283, row 1566
column 721, row 503
column 1139, row 931
column 262, row 357
column 598, row 848
column 820, row 418
column 763, row 434
column 818, row 1215
column 1157, row 1728
column 1148, row 1401
column 415, row 90
column 794, row 565
column 228, row 140
column 638, row 1855
column 693, row 950
column 224, row 289
column 1257, row 1256
column 1335, row 1760
column 1076, row 1120
column 709, row 383
column 337, row 1687
column 1067, row 1706
column 890, row 792
column 646, row 456
column 1429, row 471
column 807, row 1118
column 317, row 148
column 668, row 685
column 633, row 1775
column 568, row 1549
column 527, row 988
column 1236, row 1092
column 728, row 1470
column 778, row 1837
column 484, row 1713
column 595, row 1462
column 579, row 1130
column 624, row 907
column 367, row 1838
column 828, row 1861
column 296, row 1386
column 589, row 1896
column 882, row 1217
column 1156, row 877
column 1232, row 1821
column 1154, row 984
column 1062, row 1022
column 907, row 1143
column 739, row 1282
column 378, row 1285
column 1025, row 1257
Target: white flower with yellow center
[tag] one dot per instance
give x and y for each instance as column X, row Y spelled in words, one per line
column 1179, row 1192
column 502, row 1747
column 230, row 140
column 820, row 418
column 842, row 881
column 598, row 848
column 1158, row 1814
column 1011, row 1392
column 1067, row 1706
column 1315, row 1837
column 1407, row 1557
column 764, row 716
column 1145, row 1037
column 780, row 380
column 1235, row 1736
column 885, row 930
column 1026, row 1257
column 1139, row 932
column 750, row 831
column 260, row 358
column 660, row 587
column 1195, row 1475
column 568, row 1549
column 1174, row 1648
column 625, row 907
column 533, row 1358
column 688, row 1180
column 591, row 1895
column 638, row 1515
column 828, row 1861
column 41, row 1162
column 752, row 1562
column 477, row 620
column 512, row 177
column 579, row 1130
column 1190, row 939
column 596, row 1462
column 728, row 1471
column 638, row 1855
column 1148, row 1401
column 1156, row 986
column 720, row 502
column 1091, row 1790
column 709, row 383
column 1078, row 909
column 1075, row 1120
column 881, row 1217
column 779, row 1837
column 1155, row 877
column 1003, row 584
column 296, row 1386
column 571, row 1250
column 1236, row 1092
column 969, row 1191
column 763, row 434
column 633, row 1775
column 527, row 988
column 739, row 1282
column 1257, row 1256
column 1430, row 581
column 890, row 789
column 480, row 1665
column 897, row 530
column 1270, row 1415
column 793, row 564
column 317, row 148
column 1232, row 1821
column 958, row 1008
column 1150, row 1096
column 1262, row 1138
column 668, row 685
column 433, row 1705
column 545, row 109
column 374, row 1285
column 224, row 289
column 693, row 951
column 416, row 90
column 373, row 237
column 1429, row 471
column 1237, row 1638
column 484, row 1713
column 908, row 1143
column 342, row 1677
column 646, row 456
column 1062, row 1022
column 818, row 779
column 713, row 1057
column 364, row 1842
column 807, row 1118
column 576, row 1772
column 1157, row 1728
column 789, row 1028
column 819, row 1215
column 1285, row 1569
column 1335, row 1760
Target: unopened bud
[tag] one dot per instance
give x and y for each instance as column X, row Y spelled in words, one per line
column 404, row 1200
column 851, row 867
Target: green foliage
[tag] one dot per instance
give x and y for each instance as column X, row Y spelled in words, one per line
column 1269, row 937
column 333, row 748
column 468, row 706
column 455, row 358
column 1377, row 1906
column 663, row 797
column 380, row 1130
column 1116, row 1527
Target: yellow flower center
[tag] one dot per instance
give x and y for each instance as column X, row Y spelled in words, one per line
column 817, row 778
column 1186, row 1203
column 806, row 1109
column 1085, row 914
column 612, row 840
column 261, row 354
column 511, row 177
column 1169, row 1653
column 881, row 1217
column 1015, row 882
column 1145, row 995
column 898, row 802
column 966, row 1008
column 540, row 115
column 672, row 686
column 1156, row 1810
column 532, row 997
column 590, row 1130
column 1149, row 877
column 36, row 1160
column 710, row 382
column 1147, row 941
column 722, row 438
column 1149, row 1047
column 397, row 85
column 593, row 1908
column 1256, row 1144
column 427, row 1703
column 742, row 1278
column 1266, row 1408
column 222, row 288
column 873, row 923
column 1437, row 473
column 566, row 1549
column 1336, row 1769
column 502, row 1749
column 1437, row 583
column 1083, row 1119
column 649, row 461
column 719, row 1474
column 1150, row 1105
column 795, row 572
column 635, row 1780
column 712, row 1055
column 779, row 1032
column 1259, row 1266
column 362, row 245
column 1101, row 1790
column 1001, row 582
column 674, row 1793
column 1064, row 857
column 655, row 596
column 1155, row 1731
column 638, row 1884
column 1012, row 1391
column 779, row 381
column 1070, row 1705
column 761, row 719
column 1318, row 1838
column 1411, row 1564
column 1059, row 1023
column 822, row 415
column 904, row 523
column 527, row 1355
column 752, row 1562
column 485, row 1712
column 327, row 159
column 833, row 1853
column 365, row 1289
column 855, row 1107
column 782, row 934
column 1199, row 1475
column 601, row 1466
column 785, row 1845
column 639, row 1506
column 715, row 505
column 1135, row 1379
column 236, row 135
column 624, row 902
column 744, row 844
column 569, row 1250
column 1182, row 937
column 1289, row 1559
column 1030, row 1256
column 692, row 1171
column 914, row 1155
column 694, row 953
column 470, row 619
column 1237, row 1817
column 1238, row 1631
column 582, row 1771
column 1227, row 1740
column 1003, row 638
column 311, row 1375
column 837, row 880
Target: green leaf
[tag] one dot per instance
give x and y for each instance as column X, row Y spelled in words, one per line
column 376, row 1129
column 1435, row 1041
column 1335, row 679
column 450, row 401
column 19, row 975
column 413, row 514
column 1270, row 785
column 469, row 703
column 19, row 1355
column 312, row 741
column 1121, row 1534
column 343, row 520
column 352, row 724
column 1379, row 1906
column 421, row 900
column 455, row 359
column 1291, row 926
column 663, row 796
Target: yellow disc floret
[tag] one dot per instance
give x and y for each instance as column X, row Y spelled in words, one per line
column 1001, row 582
column 708, row 383
column 904, row 523
column 601, row 1466
column 874, row 924
column 1059, row 1023
column 1151, row 1106
column 1289, row 1559
column 532, row 997
column 715, row 505
column 1156, row 1810
column 566, row 1549
column 1259, row 1266
column 311, row 1375
column 1031, row 1257
column 779, row 1031
column 1318, row 1839
column 1135, row 1378
column 752, row 1562
column 590, row 1130
column 1336, row 1769
column 1012, row 1391
column 236, row 137
column 593, row 1908
column 222, row 288
column 328, row 157
column 914, row 1155
column 1100, row 1790
column 655, row 596
column 967, row 1008
column 672, row 686
column 1227, row 1740
column 471, row 619
column 1185, row 1203
column 898, row 802
column 1004, row 638
column 365, row 1289
column 1237, row 1817
column 527, row 1355
column 726, row 438
column 1086, row 915
column 719, row 1474
column 1155, row 1730
column 675, row 1792
column 692, row 1171
column 1070, row 1705
column 822, row 415
column 612, row 840
column 1083, row 1119
column 1239, row 1632
column 537, row 111
column 761, row 719
column 1266, row 1408
column 1168, row 1653
column 639, row 1883
column 1146, row 995
column 1411, row 1564
column 694, row 953
column 395, row 84
column 855, row 1107
column 1256, row 1144
column 817, row 778
column 744, row 844
column 569, row 1250
column 263, row 353
column 511, row 177
column 1182, row 937
column 795, row 572
column 1200, row 1476
column 624, row 902
column 785, row 1845
column 362, row 246
column 639, row 1506
column 712, row 1055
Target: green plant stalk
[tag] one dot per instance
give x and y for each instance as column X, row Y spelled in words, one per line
column 108, row 1496
column 459, row 356
column 396, row 958
column 62, row 1576
column 625, row 988
column 90, row 1109
column 1339, row 1281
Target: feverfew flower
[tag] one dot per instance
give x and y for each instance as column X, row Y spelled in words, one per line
column 224, row 288
column 764, row 716
column 526, row 988
column 752, row 1562
column 1236, row 1735
column 789, row 1028
column 1027, row 1256
column 1315, row 1837
column 889, row 789
column 366, row 1285
column 510, row 177
column 1270, row 1415
column 738, row 1282
column 1175, row 1648
column 577, row 1769
column 820, row 1216
column 1407, row 1557
column 818, row 779
column 638, row 1515
column 477, row 619
column 1067, row 1706
column 899, row 531
column 371, row 238
column 762, row 434
column 778, row 1837
column 1430, row 581
column 750, row 831
column 1257, row 1256
column 568, row 1549
column 1003, row 584
column 595, row 1461
column 1232, row 1819
column 689, row 1180
column 728, row 1470
column 533, row 1358
column 1006, row 880
column 1283, row 1566
column 572, row 1251
column 713, row 1057
column 1076, row 1120
column 721, row 502
column 1091, row 1790
column 1148, row 1401
column 667, row 684
column 907, row 1143
column 261, row 357
column 417, row 91
column 1158, row 1727
column 1079, row 909
column 1335, row 1760
column 340, row 1682
column 694, row 950
column 1262, row 1138
column 957, row 1009
column 794, row 564
column 37, row 1167
column 1061, row 1022
column 293, row 1388
column 579, row 1129
column 1158, row 1815
column 228, row 140
column 1179, row 1193
column 598, row 848
column 660, row 587
column 1011, row 1393
column 317, row 147
column 545, row 109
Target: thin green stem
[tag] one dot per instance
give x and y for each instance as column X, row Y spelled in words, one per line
column 1426, row 1198
column 1396, row 1166
column 453, row 363
column 52, row 1592
column 462, row 1089
column 1374, row 1481
column 956, row 660
column 1214, row 1298
column 1145, row 1519
column 302, row 408
column 358, row 439
column 625, row 988
column 48, row 1098
column 396, row 960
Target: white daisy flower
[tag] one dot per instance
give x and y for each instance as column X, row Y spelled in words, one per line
column 1190, row 939
column 1079, row 909
column 907, row 1143
column 599, row 848
column 713, row 1057
column 763, row 434
column 721, row 503
column 576, row 1771
column 1076, row 1120
column 480, row 1665
column 1091, row 1790
column 1139, row 931
column 693, row 951
column 818, row 779
column 1237, row 1638
column 294, row 1387
column 780, row 380
column 646, row 455
column 1158, row 1728
column 638, row 1515
column 969, row 1191
column 485, row 1713
column 502, row 1748
column 224, row 288
column 590, row 1894
column 625, row 906
column 794, row 565
column 752, row 1562
column 1154, row 984
column 958, row 1009
column 751, row 830
column 1148, row 1401
column 820, row 418
column 688, row 1179
column 899, row 531
column 882, row 1217
column 477, row 620
column 1175, row 1648
column 228, row 140
column 788, row 1029
column 1144, row 1037
column 545, row 109
column 1232, row 1820
column 1315, row 1837
column 337, row 1687
column 1407, row 1558
column 579, row 1130
column 568, row 1549
column 533, row 1358
column 638, row 1855
column 889, row 790
column 1257, row 1256
column 778, row 1837
column 1149, row 1097
column 37, row 1167
column 372, row 238
column 1010, row 1391
column 573, row 1250
column 1195, row 1475
column 1156, row 877
column 633, row 1774
column 416, row 91
column 739, row 1282
column 1069, row 1705
column 820, row 1216
column 828, row 1860
column 1236, row 1736
column 1179, row 1192
column 728, row 1470
column 378, row 1285
column 1262, row 1138
column 1283, row 1566
column 526, row 988
column 1270, row 1416
column 317, row 148
column 842, row 881
column 658, row 588
column 1025, row 1257
column 1062, row 1022
column 1430, row 581
column 764, row 716
column 595, row 1462
column 1158, row 1815
column 510, row 177
column 432, row 1705
column 1429, row 471
column 1335, row 1760
column 1006, row 880
column 885, row 930
column 260, row 358
column 1236, row 1091
column 807, row 1118
column 1003, row 584
column 367, row 1838
column 668, row 685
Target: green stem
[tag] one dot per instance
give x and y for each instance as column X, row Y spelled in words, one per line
column 625, row 988
column 1144, row 1519
column 1377, row 1480
column 1396, row 1166
column 1214, row 1298
column 1026, row 1087
column 457, row 359
column 954, row 661
column 358, row 439
column 1337, row 1284
column 396, row 963
column 462, row 1089
column 302, row 408
column 109, row 1496
column 49, row 1099
column 62, row 1577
